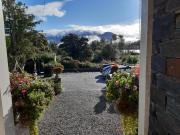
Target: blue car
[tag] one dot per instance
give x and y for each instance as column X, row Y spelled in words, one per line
column 107, row 71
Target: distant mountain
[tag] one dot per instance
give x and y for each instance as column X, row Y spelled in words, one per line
column 106, row 36
column 88, row 34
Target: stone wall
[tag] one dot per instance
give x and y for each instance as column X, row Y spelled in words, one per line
column 165, row 84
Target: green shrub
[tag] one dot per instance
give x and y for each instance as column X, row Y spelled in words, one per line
column 88, row 64
column 123, row 88
column 57, row 85
column 130, row 123
column 71, row 64
column 33, row 128
column 30, row 97
column 67, row 58
column 46, row 57
column 132, row 59
column 48, row 70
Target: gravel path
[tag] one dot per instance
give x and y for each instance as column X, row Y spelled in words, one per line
column 81, row 109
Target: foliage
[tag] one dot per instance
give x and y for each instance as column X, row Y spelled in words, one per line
column 33, row 128
column 58, row 68
column 29, row 94
column 132, row 59
column 122, row 86
column 71, row 64
column 46, row 57
column 88, row 64
column 76, row 47
column 109, row 52
column 23, row 41
column 130, row 123
column 48, row 70
column 57, row 85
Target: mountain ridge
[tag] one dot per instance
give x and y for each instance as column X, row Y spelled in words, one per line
column 91, row 35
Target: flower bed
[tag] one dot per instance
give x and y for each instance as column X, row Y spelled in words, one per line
column 123, row 90
column 30, row 97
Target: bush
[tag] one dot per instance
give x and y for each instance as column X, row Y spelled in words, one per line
column 46, row 57
column 57, row 86
column 71, row 64
column 123, row 88
column 132, row 59
column 30, row 97
column 48, row 70
column 88, row 64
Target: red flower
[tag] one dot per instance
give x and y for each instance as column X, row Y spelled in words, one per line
column 23, row 91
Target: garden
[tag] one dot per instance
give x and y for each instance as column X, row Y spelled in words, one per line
column 35, row 65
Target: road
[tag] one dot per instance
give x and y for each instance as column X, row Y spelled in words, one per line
column 81, row 108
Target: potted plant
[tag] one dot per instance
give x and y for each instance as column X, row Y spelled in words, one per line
column 123, row 90
column 57, row 69
column 29, row 94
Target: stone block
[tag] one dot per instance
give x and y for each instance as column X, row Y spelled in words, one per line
column 170, row 48
column 173, row 5
column 158, row 96
column 170, row 84
column 173, row 107
column 159, row 3
column 178, row 22
column 158, row 63
column 173, row 67
column 155, row 47
column 163, row 123
column 177, row 34
column 153, row 78
column 167, row 123
column 163, row 27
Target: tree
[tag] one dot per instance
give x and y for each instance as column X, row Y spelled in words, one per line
column 23, row 41
column 76, row 47
column 121, row 43
column 109, row 52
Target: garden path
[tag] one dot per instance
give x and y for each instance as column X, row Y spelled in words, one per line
column 81, row 108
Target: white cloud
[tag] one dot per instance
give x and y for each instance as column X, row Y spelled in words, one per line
column 93, row 38
column 49, row 9
column 129, row 31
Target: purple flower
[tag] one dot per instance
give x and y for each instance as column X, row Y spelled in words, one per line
column 127, row 86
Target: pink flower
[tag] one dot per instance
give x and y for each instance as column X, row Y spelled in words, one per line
column 23, row 91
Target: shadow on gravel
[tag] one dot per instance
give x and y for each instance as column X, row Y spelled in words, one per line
column 111, row 109
column 100, row 79
column 102, row 104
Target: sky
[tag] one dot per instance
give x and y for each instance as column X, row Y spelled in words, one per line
column 117, row 16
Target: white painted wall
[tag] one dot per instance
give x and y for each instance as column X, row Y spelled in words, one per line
column 6, row 115
column 145, row 66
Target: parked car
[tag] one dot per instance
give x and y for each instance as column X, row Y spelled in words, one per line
column 105, row 65
column 109, row 70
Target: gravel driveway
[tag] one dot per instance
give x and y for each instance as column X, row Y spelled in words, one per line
column 81, row 108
